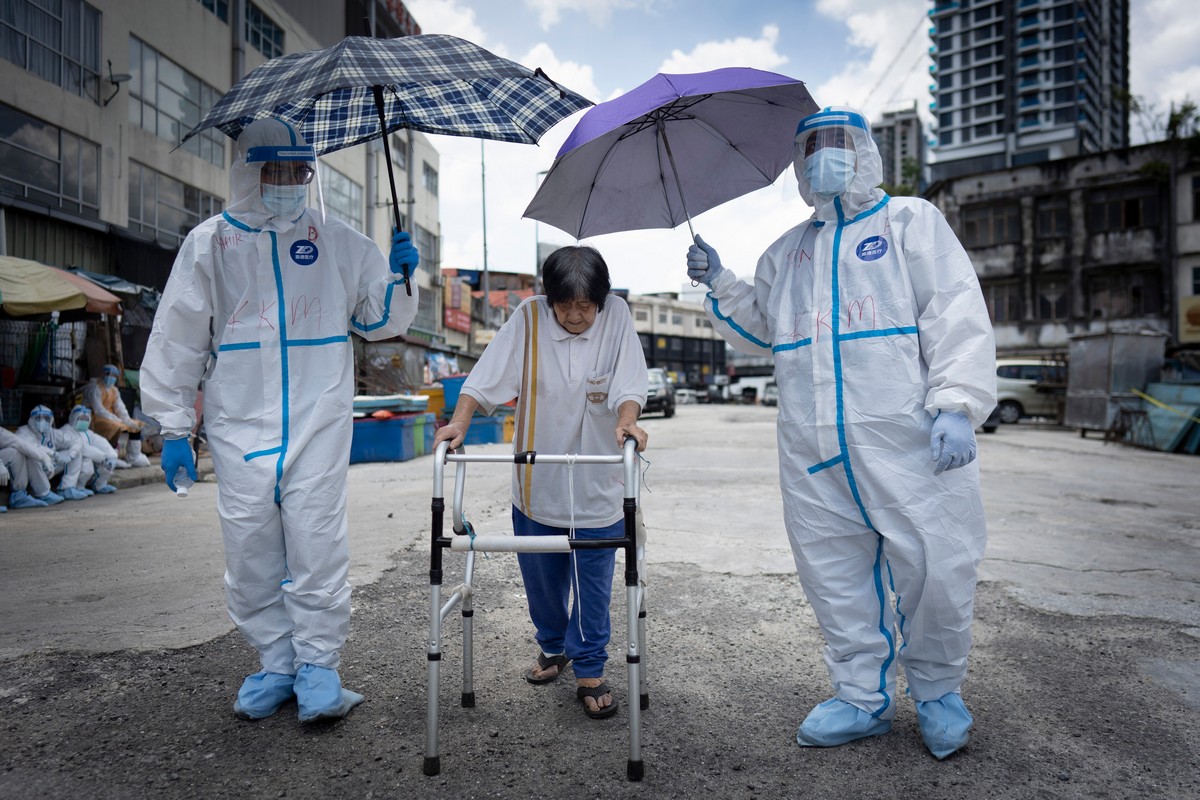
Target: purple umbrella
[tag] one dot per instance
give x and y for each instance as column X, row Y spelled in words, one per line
column 671, row 148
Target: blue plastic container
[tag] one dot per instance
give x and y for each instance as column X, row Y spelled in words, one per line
column 382, row 440
column 451, row 386
column 485, row 430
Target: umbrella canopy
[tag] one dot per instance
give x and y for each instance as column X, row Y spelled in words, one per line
column 431, row 83
column 672, row 148
column 27, row 288
column 99, row 299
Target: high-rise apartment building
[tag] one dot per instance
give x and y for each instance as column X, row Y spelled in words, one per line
column 898, row 134
column 1024, row 81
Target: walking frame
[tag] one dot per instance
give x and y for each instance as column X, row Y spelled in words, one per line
column 465, row 540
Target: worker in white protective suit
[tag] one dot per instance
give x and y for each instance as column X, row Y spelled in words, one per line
column 66, row 458
column 885, row 360
column 21, row 457
column 99, row 457
column 257, row 312
column 112, row 420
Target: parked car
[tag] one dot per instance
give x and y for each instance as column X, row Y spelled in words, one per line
column 685, row 397
column 992, row 422
column 1029, row 387
column 770, row 395
column 660, row 397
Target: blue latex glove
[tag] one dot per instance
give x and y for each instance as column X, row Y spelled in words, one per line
column 703, row 263
column 404, row 257
column 177, row 453
column 952, row 441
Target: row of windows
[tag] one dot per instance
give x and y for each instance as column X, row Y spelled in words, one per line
column 1108, row 209
column 259, row 30
column 57, row 41
column 47, row 165
column 168, row 101
column 1106, row 295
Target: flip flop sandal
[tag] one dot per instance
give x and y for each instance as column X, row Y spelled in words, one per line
column 545, row 662
column 596, row 692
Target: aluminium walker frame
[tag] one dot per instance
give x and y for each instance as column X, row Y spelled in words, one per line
column 466, row 541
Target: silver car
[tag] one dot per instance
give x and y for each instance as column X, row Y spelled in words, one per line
column 1029, row 387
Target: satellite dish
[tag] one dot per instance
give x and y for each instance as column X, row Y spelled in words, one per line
column 116, row 81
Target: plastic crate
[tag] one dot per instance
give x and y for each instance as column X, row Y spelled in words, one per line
column 423, row 426
column 451, row 386
column 382, row 440
column 485, row 430
column 10, row 408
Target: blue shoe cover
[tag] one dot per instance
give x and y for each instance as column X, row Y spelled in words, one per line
column 262, row 694
column 836, row 722
column 107, row 488
column 51, row 499
column 320, row 695
column 22, row 499
column 71, row 493
column 944, row 724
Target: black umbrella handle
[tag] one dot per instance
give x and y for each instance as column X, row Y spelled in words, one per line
column 387, row 156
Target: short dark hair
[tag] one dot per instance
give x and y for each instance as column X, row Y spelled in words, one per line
column 573, row 273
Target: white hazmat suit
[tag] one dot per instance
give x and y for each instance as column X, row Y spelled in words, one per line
column 258, row 311
column 876, row 323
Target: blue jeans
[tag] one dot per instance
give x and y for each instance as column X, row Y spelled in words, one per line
column 550, row 581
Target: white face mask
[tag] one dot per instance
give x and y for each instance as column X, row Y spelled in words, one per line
column 285, row 201
column 40, row 425
column 110, row 381
column 829, row 170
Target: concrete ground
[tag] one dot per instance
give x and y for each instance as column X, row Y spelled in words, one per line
column 118, row 664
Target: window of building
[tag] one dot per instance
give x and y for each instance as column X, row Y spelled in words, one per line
column 429, row 247
column 1052, row 217
column 429, row 178
column 641, row 315
column 166, row 208
column 1052, row 299
column 427, row 316
column 343, row 197
column 262, row 33
column 676, row 319
column 1003, row 301
column 57, row 41
column 47, row 165
column 1195, row 280
column 662, row 318
column 1122, row 208
column 1195, row 199
column 1128, row 293
column 400, row 152
column 946, row 119
column 169, row 101
column 986, row 129
column 988, row 225
column 218, row 7
column 946, row 138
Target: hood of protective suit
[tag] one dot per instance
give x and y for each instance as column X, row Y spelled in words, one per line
column 862, row 192
column 262, row 141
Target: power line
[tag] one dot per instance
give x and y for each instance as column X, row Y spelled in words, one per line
column 921, row 21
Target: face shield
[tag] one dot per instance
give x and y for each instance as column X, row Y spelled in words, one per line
column 81, row 418
column 272, row 168
column 835, row 155
column 111, row 373
column 41, row 419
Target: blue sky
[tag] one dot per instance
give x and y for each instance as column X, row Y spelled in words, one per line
column 872, row 54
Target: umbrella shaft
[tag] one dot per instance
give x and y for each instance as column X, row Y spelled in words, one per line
column 662, row 131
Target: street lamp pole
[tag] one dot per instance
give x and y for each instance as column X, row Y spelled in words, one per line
column 487, row 297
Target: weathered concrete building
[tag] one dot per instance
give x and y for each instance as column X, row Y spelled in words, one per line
column 1109, row 241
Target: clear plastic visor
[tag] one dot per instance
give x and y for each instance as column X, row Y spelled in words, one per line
column 812, row 141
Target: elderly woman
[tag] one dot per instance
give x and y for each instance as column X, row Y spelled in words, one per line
column 573, row 361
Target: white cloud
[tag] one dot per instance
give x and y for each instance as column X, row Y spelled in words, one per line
column 1164, row 66
column 742, row 51
column 446, row 16
column 599, row 12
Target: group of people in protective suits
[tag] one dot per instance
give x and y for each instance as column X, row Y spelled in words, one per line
column 884, row 359
column 44, row 465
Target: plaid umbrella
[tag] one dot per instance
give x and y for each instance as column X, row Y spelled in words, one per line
column 431, row 83
column 363, row 88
